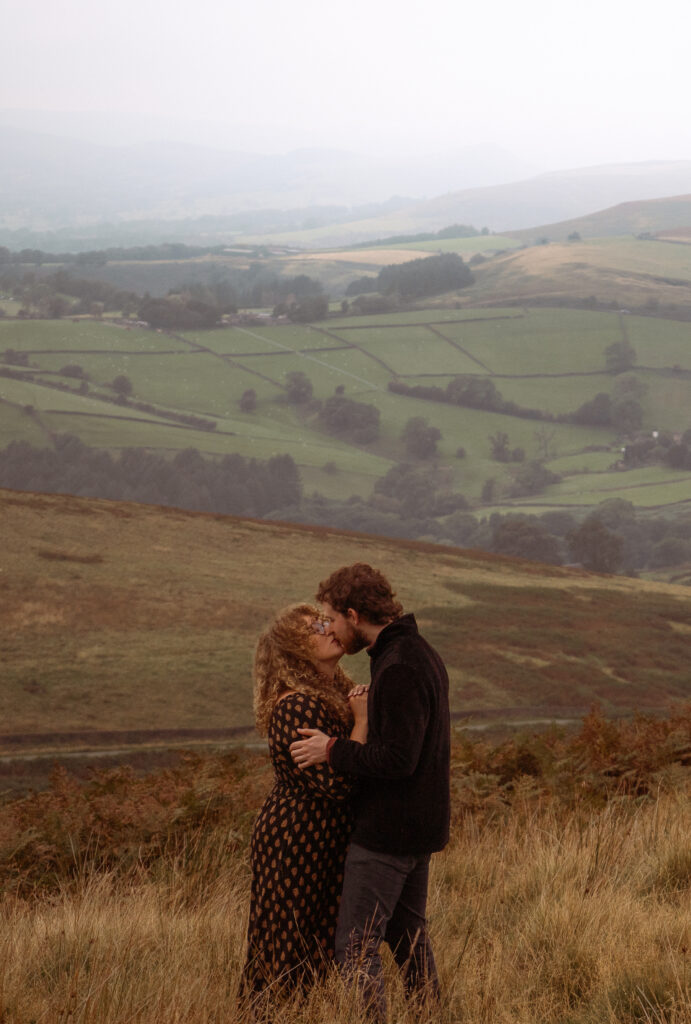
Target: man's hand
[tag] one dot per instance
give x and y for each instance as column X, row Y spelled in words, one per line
column 311, row 750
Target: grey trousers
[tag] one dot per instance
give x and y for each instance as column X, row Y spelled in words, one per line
column 385, row 900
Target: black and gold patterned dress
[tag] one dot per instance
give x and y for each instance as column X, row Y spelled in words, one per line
column 297, row 853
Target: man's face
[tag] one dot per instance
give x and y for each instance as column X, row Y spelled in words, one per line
column 345, row 629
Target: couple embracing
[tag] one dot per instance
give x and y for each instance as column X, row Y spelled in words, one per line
column 341, row 848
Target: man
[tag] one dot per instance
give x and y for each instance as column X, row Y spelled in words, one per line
column 402, row 805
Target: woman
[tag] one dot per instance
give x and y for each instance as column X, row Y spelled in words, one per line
column 300, row 837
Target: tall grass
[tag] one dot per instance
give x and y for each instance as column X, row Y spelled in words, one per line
column 547, row 906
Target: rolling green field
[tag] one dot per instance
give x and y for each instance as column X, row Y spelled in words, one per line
column 547, row 359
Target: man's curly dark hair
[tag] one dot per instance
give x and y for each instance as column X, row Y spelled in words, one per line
column 364, row 589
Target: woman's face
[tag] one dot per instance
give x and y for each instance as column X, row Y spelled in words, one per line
column 326, row 650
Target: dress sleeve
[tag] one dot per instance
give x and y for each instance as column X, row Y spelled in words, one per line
column 302, row 711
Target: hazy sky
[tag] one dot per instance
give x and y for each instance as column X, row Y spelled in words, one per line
column 558, row 85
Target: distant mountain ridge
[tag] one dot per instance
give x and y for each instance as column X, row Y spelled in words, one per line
column 48, row 183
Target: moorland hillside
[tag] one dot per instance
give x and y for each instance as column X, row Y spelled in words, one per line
column 636, row 217
column 119, row 616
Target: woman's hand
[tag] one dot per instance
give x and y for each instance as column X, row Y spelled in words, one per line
column 358, row 690
column 358, row 704
column 357, row 699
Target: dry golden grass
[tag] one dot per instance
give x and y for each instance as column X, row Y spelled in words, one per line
column 559, row 271
column 537, row 916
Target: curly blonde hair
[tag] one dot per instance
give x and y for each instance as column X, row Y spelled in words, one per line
column 282, row 662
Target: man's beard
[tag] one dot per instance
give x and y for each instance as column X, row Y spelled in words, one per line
column 355, row 640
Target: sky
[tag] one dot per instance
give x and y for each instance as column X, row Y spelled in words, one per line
column 556, row 85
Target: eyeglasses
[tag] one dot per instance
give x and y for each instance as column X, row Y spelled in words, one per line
column 320, row 626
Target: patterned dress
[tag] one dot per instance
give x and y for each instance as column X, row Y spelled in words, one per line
column 297, row 853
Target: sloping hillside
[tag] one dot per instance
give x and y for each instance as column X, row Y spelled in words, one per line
column 622, row 272
column 665, row 216
column 119, row 617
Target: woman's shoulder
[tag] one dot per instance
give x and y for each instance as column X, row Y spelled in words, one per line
column 294, row 701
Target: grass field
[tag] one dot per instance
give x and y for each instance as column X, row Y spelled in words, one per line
column 562, row 897
column 548, row 359
column 142, row 617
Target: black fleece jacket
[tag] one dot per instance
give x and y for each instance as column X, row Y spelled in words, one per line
column 402, row 806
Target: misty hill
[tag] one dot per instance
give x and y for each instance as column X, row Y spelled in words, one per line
column 176, row 190
column 123, row 616
column 641, row 217
column 48, row 181
column 519, row 206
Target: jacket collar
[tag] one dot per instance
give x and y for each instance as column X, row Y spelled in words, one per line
column 404, row 625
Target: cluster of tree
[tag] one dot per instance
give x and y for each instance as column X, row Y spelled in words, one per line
column 259, row 286
column 165, row 251
column 660, row 447
column 354, row 421
column 469, row 391
column 230, row 485
column 621, row 410
column 304, row 310
column 431, row 275
column 419, row 438
column 372, row 304
column 611, row 538
column 362, row 286
column 412, row 502
column 179, row 312
column 502, row 450
column 416, row 492
column 14, row 358
column 452, row 231
column 59, row 294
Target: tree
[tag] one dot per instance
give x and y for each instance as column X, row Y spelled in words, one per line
column 596, row 412
column 669, row 551
column 489, row 491
column 73, row 370
column 620, row 356
column 15, row 358
column 415, row 491
column 419, row 438
column 532, row 478
column 122, row 385
column 627, row 415
column 180, row 312
column 475, row 392
column 248, row 400
column 306, row 309
column 358, row 421
column 500, row 446
column 596, row 547
column 298, row 387
column 524, row 538
column 545, row 438
column 361, row 286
